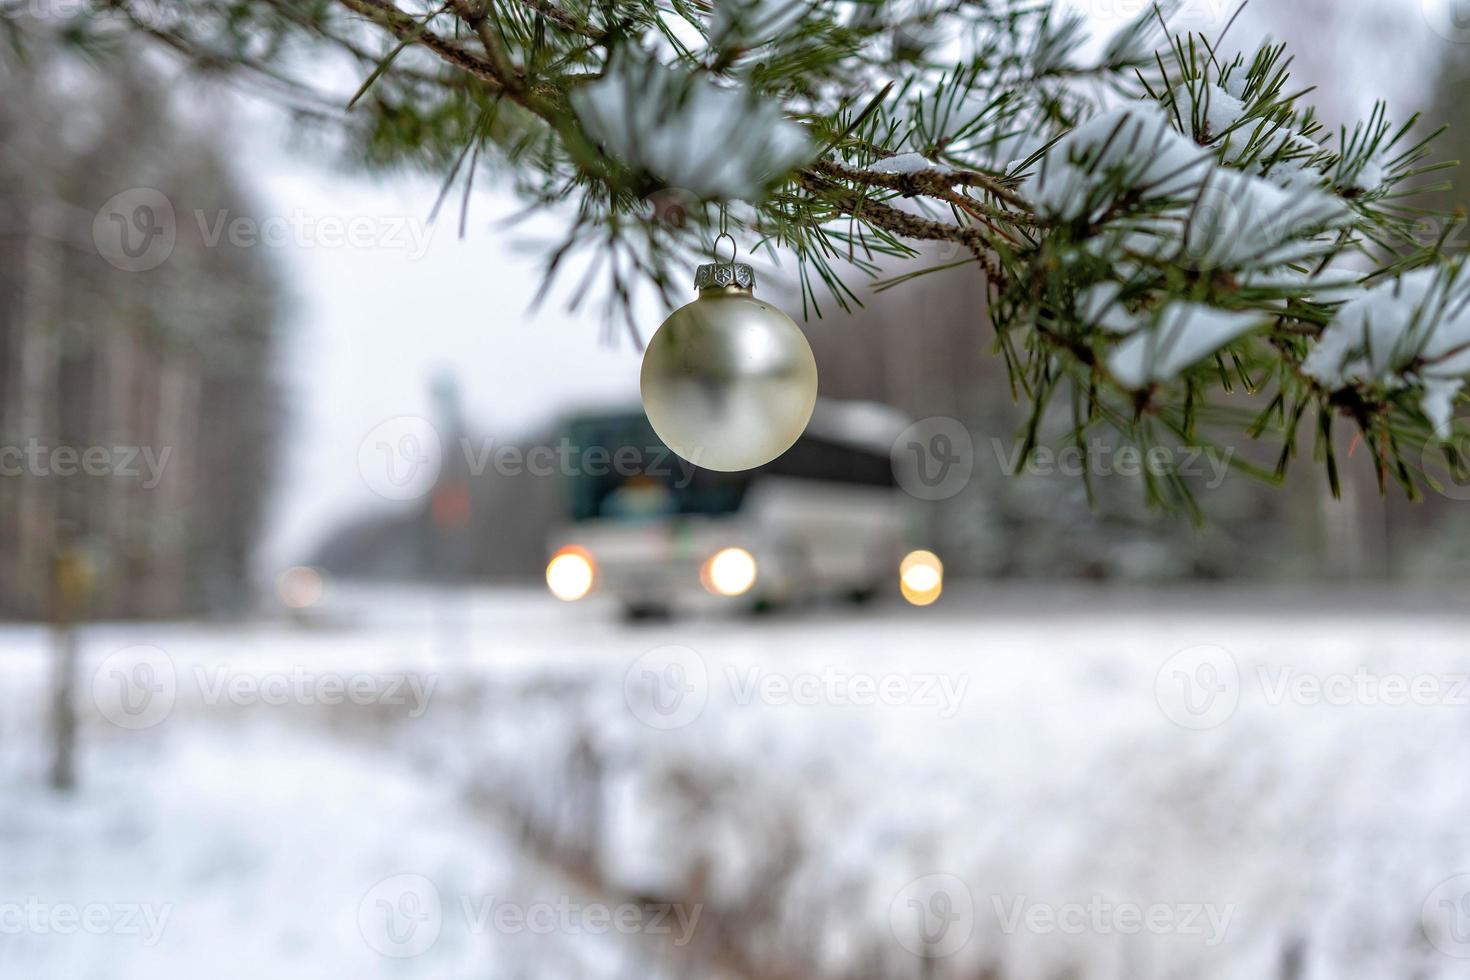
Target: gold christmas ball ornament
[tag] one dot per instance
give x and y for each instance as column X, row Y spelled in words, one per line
column 728, row 382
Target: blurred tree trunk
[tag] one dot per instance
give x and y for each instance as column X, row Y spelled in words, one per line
column 36, row 385
column 63, row 705
column 70, row 581
column 176, row 359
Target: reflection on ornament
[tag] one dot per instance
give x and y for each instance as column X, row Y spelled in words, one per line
column 728, row 382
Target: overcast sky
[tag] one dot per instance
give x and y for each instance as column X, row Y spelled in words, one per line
column 374, row 322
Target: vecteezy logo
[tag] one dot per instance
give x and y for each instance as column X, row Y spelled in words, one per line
column 1198, row 688
column 135, row 687
column 401, row 916
column 934, row 458
column 933, row 916
column 667, row 687
column 1445, row 917
column 135, row 230
column 400, row 459
column 1450, row 19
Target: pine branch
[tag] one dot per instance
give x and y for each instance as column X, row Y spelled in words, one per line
column 1165, row 229
column 473, row 13
column 565, row 20
column 405, row 28
column 935, row 183
column 900, row 222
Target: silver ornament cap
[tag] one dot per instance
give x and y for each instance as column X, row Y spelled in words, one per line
column 728, row 382
column 722, row 275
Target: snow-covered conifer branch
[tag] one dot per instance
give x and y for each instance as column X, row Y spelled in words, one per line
column 1163, row 230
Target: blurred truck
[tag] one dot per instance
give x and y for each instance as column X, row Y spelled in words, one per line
column 827, row 519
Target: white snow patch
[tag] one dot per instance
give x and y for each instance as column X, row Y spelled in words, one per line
column 1241, row 221
column 1134, row 147
column 1235, row 83
column 257, row 850
column 1209, row 110
column 1293, row 161
column 1368, row 176
column 1100, row 306
column 711, row 140
column 1060, row 781
column 1219, row 114
column 1181, row 334
column 1410, row 331
column 1087, row 762
column 908, row 163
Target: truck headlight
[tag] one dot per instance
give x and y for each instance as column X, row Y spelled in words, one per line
column 728, row 572
column 570, row 573
column 921, row 577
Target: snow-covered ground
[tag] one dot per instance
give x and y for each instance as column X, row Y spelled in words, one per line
column 261, row 851
column 1031, row 784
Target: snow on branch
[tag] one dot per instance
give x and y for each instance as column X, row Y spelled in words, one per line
column 1174, row 339
column 1133, row 149
column 1413, row 331
column 1135, row 217
column 718, row 142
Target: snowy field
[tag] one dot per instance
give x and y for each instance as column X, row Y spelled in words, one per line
column 1010, row 785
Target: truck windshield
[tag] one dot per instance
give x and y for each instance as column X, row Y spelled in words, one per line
column 627, row 473
column 637, row 477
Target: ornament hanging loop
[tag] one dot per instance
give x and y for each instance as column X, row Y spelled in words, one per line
column 734, row 249
column 724, row 273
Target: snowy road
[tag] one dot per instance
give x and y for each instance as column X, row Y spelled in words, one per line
column 1119, row 786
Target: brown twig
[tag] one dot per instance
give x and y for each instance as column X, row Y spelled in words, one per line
column 933, row 183
column 405, row 28
column 565, row 20
column 891, row 219
column 816, row 178
column 473, row 13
